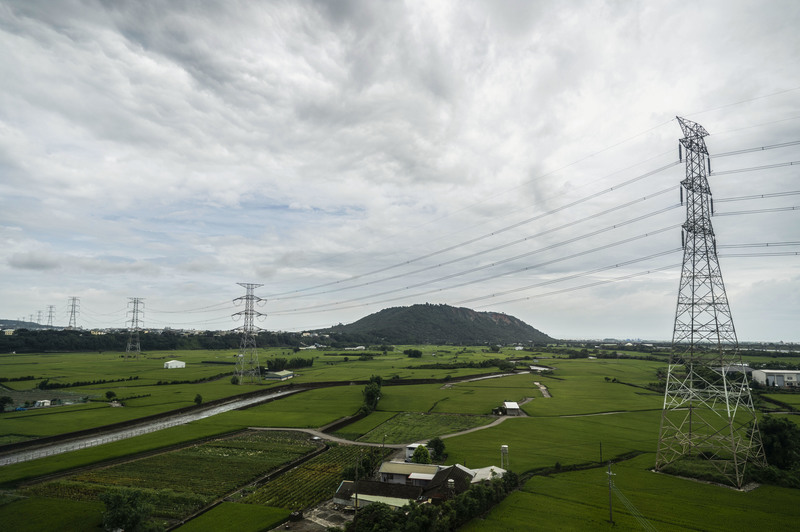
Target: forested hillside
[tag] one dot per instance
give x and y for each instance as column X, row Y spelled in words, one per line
column 441, row 324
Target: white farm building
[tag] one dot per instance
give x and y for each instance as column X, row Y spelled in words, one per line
column 174, row 364
column 776, row 377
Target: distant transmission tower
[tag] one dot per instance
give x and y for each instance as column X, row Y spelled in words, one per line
column 39, row 317
column 247, row 360
column 708, row 413
column 51, row 310
column 73, row 303
column 134, row 348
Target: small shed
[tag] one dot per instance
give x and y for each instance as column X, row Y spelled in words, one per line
column 43, row 402
column 413, row 447
column 174, row 364
column 279, row 375
column 511, row 408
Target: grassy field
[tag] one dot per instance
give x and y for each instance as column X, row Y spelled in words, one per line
column 579, row 501
column 239, row 517
column 36, row 514
column 588, row 420
column 409, row 427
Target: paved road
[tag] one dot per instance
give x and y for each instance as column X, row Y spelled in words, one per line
column 136, row 430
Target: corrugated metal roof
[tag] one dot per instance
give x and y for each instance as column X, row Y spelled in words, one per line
column 406, row 468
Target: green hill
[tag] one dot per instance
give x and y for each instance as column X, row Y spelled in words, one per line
column 441, row 324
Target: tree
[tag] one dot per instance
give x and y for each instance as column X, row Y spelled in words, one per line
column 421, row 455
column 436, row 446
column 198, row 399
column 376, row 516
column 126, row 509
column 5, row 401
column 781, row 439
column 372, row 393
column 110, row 395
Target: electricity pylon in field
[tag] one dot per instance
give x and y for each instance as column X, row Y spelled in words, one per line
column 708, row 412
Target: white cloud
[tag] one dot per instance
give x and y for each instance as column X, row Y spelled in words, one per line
column 166, row 147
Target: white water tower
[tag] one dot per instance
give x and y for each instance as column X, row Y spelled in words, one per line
column 504, row 457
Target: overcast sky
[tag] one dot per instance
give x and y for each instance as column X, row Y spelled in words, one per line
column 353, row 156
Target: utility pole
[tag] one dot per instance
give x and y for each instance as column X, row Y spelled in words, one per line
column 247, row 361
column 134, row 348
column 610, row 499
column 708, row 412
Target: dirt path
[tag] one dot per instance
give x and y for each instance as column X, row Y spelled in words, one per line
column 330, row 437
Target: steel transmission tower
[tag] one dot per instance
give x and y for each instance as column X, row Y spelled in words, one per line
column 708, row 412
column 134, row 348
column 51, row 310
column 247, row 360
column 74, row 308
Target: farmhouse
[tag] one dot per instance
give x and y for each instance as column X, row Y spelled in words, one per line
column 433, row 478
column 174, row 364
column 279, row 375
column 777, row 377
column 43, row 402
column 449, row 481
column 407, row 473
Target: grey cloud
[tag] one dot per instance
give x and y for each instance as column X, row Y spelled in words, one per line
column 34, row 260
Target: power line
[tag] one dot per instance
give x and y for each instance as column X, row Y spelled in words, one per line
column 577, row 276
column 317, row 308
column 758, row 196
column 755, row 168
column 757, row 211
column 487, row 235
column 760, row 148
column 209, row 308
column 595, row 283
column 518, row 241
column 745, row 101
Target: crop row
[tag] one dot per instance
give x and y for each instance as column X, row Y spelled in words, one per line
column 209, row 469
column 309, row 483
column 183, row 481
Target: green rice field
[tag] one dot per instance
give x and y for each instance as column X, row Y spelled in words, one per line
column 599, row 410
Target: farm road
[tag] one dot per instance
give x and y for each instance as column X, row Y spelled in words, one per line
column 137, row 430
column 329, row 437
